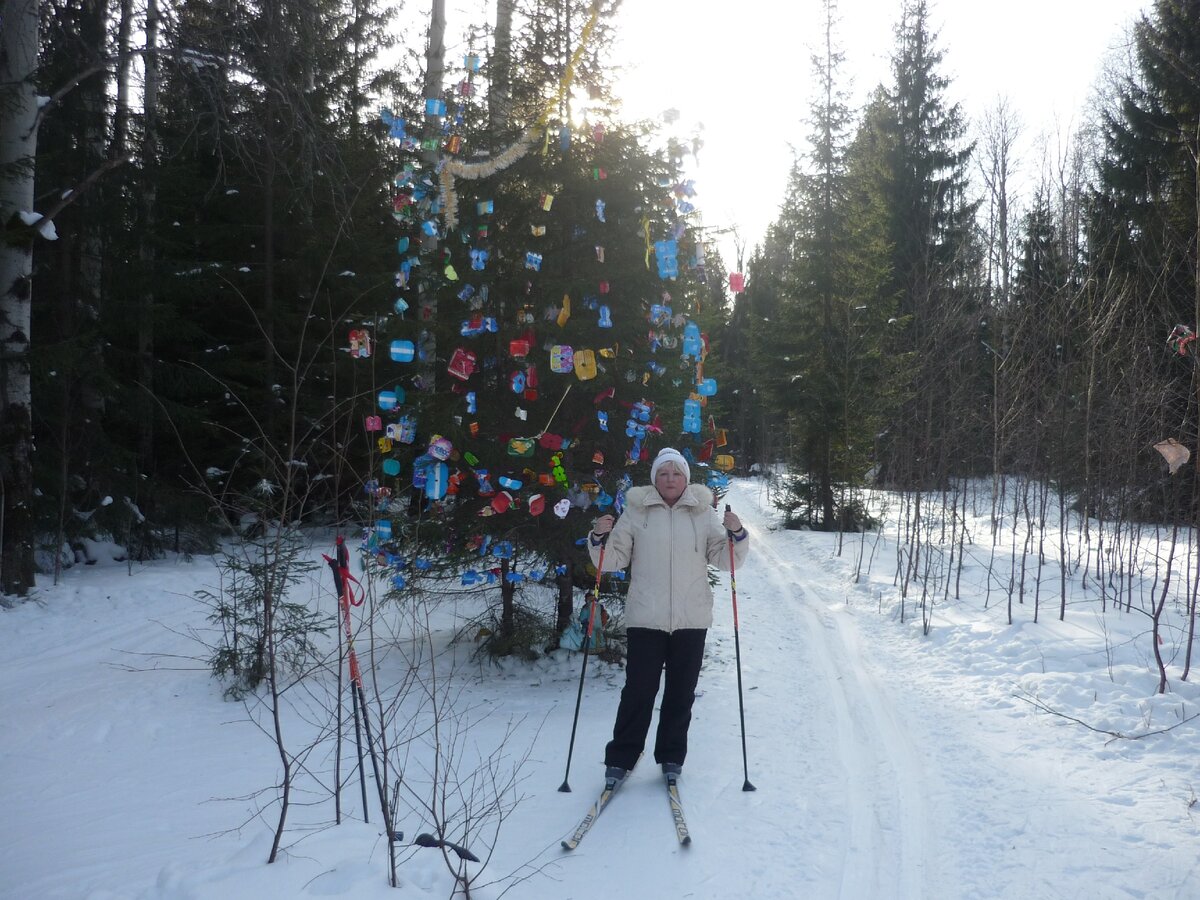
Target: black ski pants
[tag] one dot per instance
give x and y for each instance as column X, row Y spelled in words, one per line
column 650, row 652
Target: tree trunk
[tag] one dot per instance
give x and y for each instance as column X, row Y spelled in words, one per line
column 500, row 95
column 148, row 202
column 274, row 31
column 124, row 67
column 508, row 607
column 435, row 66
column 89, row 296
column 435, row 73
column 18, row 145
column 566, row 601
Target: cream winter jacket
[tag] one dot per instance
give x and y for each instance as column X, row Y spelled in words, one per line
column 668, row 549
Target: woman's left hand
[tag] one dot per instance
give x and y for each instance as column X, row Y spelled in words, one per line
column 732, row 522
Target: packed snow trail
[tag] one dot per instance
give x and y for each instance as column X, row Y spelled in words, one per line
column 885, row 834
column 840, row 808
column 890, row 765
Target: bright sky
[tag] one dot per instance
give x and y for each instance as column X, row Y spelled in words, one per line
column 742, row 69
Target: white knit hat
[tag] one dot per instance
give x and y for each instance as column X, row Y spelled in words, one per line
column 670, row 455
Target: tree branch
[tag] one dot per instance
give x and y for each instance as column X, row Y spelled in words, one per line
column 74, row 194
column 63, row 91
column 1037, row 703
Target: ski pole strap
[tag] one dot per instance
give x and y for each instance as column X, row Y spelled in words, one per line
column 342, row 575
column 355, row 599
column 337, row 574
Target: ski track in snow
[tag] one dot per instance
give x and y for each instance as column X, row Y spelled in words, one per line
column 889, row 765
column 885, row 818
column 940, row 792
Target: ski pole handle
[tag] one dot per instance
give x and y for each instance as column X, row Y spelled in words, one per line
column 730, row 531
column 610, row 521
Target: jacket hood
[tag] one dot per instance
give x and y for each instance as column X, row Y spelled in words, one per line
column 697, row 498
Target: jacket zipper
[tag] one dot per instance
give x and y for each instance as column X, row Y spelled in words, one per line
column 670, row 569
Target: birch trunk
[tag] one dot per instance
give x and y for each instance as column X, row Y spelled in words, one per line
column 18, row 144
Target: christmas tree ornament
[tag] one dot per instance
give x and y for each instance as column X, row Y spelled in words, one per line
column 395, row 126
column 562, row 359
column 585, row 365
column 360, row 343
column 462, row 364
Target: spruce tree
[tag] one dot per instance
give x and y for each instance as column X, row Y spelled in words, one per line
column 541, row 335
column 923, row 186
column 1149, row 169
column 1145, row 227
column 269, row 194
column 819, row 285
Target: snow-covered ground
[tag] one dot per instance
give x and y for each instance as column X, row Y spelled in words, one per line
column 889, row 764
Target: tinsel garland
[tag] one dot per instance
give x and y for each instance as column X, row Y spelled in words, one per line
column 454, row 168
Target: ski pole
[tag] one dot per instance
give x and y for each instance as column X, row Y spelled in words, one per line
column 344, row 601
column 737, row 649
column 565, row 787
column 344, row 577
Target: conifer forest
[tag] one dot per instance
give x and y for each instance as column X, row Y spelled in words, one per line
column 292, row 261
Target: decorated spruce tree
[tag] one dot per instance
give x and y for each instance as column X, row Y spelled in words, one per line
column 542, row 346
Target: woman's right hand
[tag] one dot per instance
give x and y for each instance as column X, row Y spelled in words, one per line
column 603, row 525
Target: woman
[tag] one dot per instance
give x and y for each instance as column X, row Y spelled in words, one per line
column 668, row 534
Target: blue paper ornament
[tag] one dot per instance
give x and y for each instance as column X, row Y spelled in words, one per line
column 667, row 255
